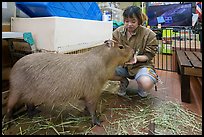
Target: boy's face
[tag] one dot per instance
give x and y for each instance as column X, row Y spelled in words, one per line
column 131, row 24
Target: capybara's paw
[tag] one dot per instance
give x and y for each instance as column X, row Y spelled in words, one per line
column 33, row 113
column 86, row 112
column 96, row 122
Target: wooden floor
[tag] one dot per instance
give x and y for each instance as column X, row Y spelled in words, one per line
column 170, row 89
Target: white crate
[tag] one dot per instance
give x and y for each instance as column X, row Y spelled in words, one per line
column 64, row 35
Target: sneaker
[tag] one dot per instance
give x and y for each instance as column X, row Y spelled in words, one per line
column 121, row 93
column 142, row 93
column 123, row 85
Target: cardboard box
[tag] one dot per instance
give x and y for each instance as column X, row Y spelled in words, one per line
column 64, row 35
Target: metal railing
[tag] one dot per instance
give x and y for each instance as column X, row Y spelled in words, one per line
column 172, row 39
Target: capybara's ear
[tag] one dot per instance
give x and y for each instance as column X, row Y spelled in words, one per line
column 115, row 41
column 109, row 43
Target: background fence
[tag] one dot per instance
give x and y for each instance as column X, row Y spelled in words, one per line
column 172, row 39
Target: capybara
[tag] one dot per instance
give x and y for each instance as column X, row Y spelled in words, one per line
column 57, row 79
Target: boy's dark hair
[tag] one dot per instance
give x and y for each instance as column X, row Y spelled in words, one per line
column 134, row 11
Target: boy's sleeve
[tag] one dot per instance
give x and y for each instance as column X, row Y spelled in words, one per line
column 115, row 35
column 151, row 47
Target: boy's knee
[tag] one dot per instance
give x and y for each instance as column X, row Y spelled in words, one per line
column 145, row 82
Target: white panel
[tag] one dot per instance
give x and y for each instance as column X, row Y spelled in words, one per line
column 64, row 34
column 4, row 5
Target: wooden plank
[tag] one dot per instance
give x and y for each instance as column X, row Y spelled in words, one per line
column 199, row 55
column 193, row 59
column 190, row 55
column 199, row 81
column 196, row 63
column 182, row 59
column 6, row 28
column 185, row 89
column 193, row 71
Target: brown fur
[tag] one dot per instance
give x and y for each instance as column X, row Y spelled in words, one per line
column 57, row 79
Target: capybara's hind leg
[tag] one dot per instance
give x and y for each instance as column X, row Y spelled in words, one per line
column 12, row 100
column 91, row 106
column 31, row 109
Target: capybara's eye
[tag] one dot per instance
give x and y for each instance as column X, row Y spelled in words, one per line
column 121, row 47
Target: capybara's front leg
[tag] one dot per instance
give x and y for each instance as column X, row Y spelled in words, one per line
column 31, row 109
column 91, row 106
column 95, row 120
